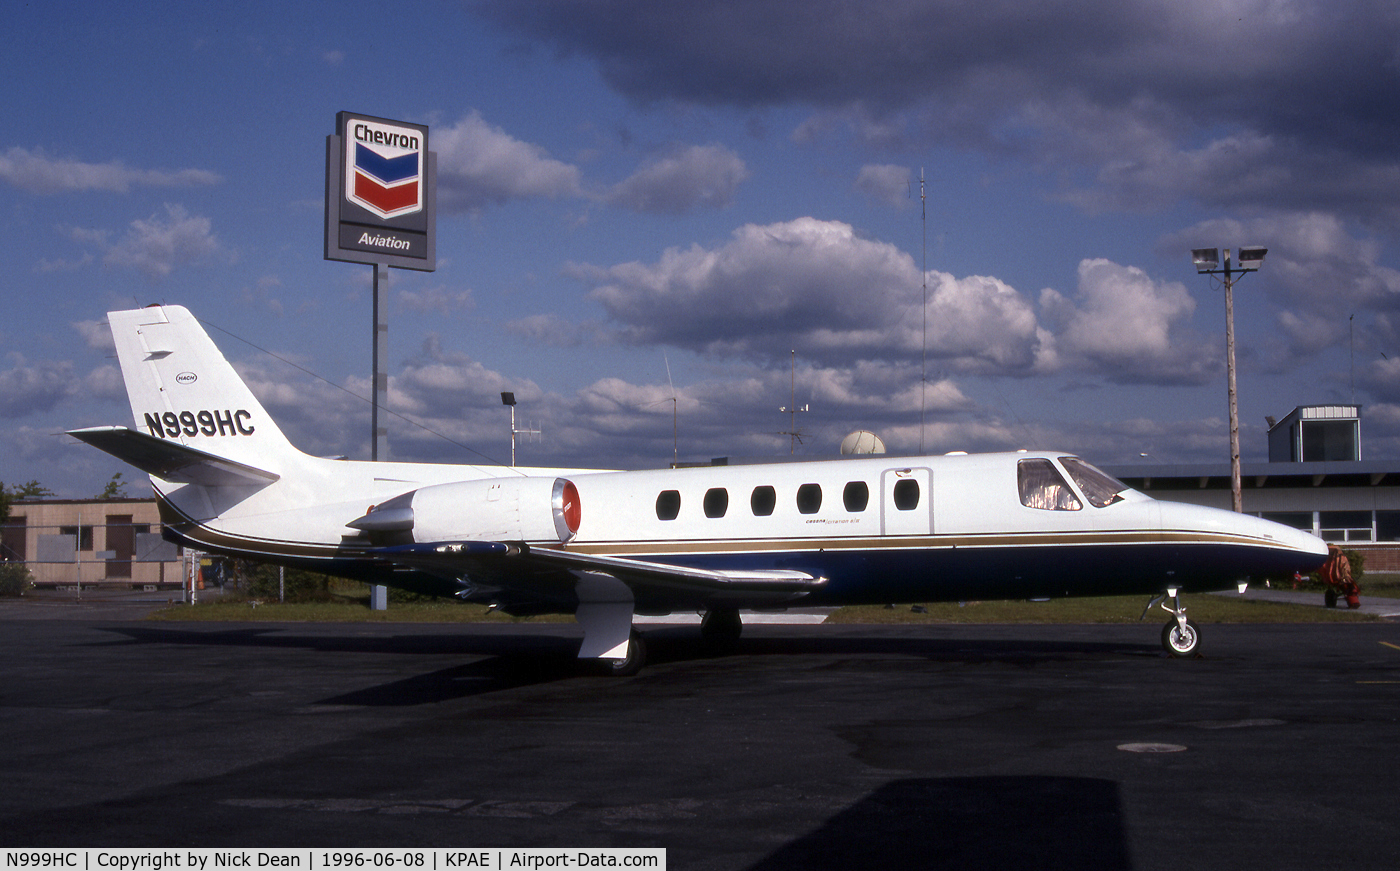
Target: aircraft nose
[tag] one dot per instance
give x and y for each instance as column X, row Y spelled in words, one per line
column 1303, row 549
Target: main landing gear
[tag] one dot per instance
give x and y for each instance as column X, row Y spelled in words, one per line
column 1180, row 637
column 629, row 664
column 720, row 629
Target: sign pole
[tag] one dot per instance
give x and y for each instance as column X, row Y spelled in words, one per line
column 379, row 432
column 381, row 209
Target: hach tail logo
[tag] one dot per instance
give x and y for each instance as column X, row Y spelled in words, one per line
column 384, row 169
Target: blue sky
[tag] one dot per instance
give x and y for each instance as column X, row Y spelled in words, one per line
column 627, row 187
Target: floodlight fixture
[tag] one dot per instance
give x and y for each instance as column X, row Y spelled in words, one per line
column 1206, row 259
column 1252, row 258
column 507, row 398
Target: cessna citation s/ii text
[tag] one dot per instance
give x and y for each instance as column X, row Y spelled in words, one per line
column 606, row 545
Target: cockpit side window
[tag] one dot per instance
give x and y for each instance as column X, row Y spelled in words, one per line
column 1042, row 486
column 1099, row 487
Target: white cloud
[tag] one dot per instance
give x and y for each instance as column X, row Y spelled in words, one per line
column 1129, row 328
column 695, row 177
column 556, row 332
column 38, row 173
column 96, row 335
column 823, row 289
column 157, row 245
column 480, row 164
column 436, row 299
column 27, row 388
column 105, row 382
column 887, row 184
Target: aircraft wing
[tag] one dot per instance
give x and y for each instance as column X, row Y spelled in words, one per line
column 170, row 460
column 521, row 567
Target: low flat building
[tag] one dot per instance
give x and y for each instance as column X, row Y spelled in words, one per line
column 92, row 542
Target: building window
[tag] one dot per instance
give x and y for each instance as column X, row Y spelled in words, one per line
column 1330, row 440
column 856, row 496
column 1344, row 525
column 906, row 494
column 763, row 500
column 1388, row 526
column 809, row 498
column 1297, row 519
column 668, row 505
column 716, row 502
column 84, row 535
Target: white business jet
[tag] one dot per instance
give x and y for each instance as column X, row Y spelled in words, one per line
column 608, row 545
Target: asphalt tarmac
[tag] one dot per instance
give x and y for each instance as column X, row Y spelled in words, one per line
column 812, row 746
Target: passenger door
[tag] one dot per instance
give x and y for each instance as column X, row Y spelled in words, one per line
column 906, row 501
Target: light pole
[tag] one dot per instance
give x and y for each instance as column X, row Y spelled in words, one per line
column 509, row 399
column 1207, row 262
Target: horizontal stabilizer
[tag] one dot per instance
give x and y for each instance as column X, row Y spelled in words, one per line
column 169, row 460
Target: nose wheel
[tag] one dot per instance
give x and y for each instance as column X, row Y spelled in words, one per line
column 1180, row 637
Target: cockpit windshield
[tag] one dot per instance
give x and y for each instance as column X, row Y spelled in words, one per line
column 1099, row 487
column 1041, row 486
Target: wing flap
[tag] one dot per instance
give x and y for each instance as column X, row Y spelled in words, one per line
column 169, row 460
column 632, row 571
column 521, row 566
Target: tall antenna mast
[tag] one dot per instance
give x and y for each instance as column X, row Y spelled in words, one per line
column 923, row 345
column 792, row 410
column 675, row 422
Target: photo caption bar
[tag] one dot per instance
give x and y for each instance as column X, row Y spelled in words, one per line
column 333, row 859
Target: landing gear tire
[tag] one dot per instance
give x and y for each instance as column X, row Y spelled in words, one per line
column 631, row 663
column 1181, row 641
column 1329, row 597
column 720, row 629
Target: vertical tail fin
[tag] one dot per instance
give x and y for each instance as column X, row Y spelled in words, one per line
column 182, row 389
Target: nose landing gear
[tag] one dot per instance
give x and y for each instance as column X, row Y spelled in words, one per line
column 1180, row 637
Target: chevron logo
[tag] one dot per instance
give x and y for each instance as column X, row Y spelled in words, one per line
column 383, row 165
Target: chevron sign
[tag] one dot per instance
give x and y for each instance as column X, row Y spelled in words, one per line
column 384, row 168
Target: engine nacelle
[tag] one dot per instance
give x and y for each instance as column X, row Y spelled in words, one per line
column 494, row 509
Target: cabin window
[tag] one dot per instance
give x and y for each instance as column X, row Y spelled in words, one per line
column 716, row 502
column 809, row 498
column 668, row 505
column 763, row 500
column 906, row 494
column 856, row 496
column 1099, row 487
column 1042, row 487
